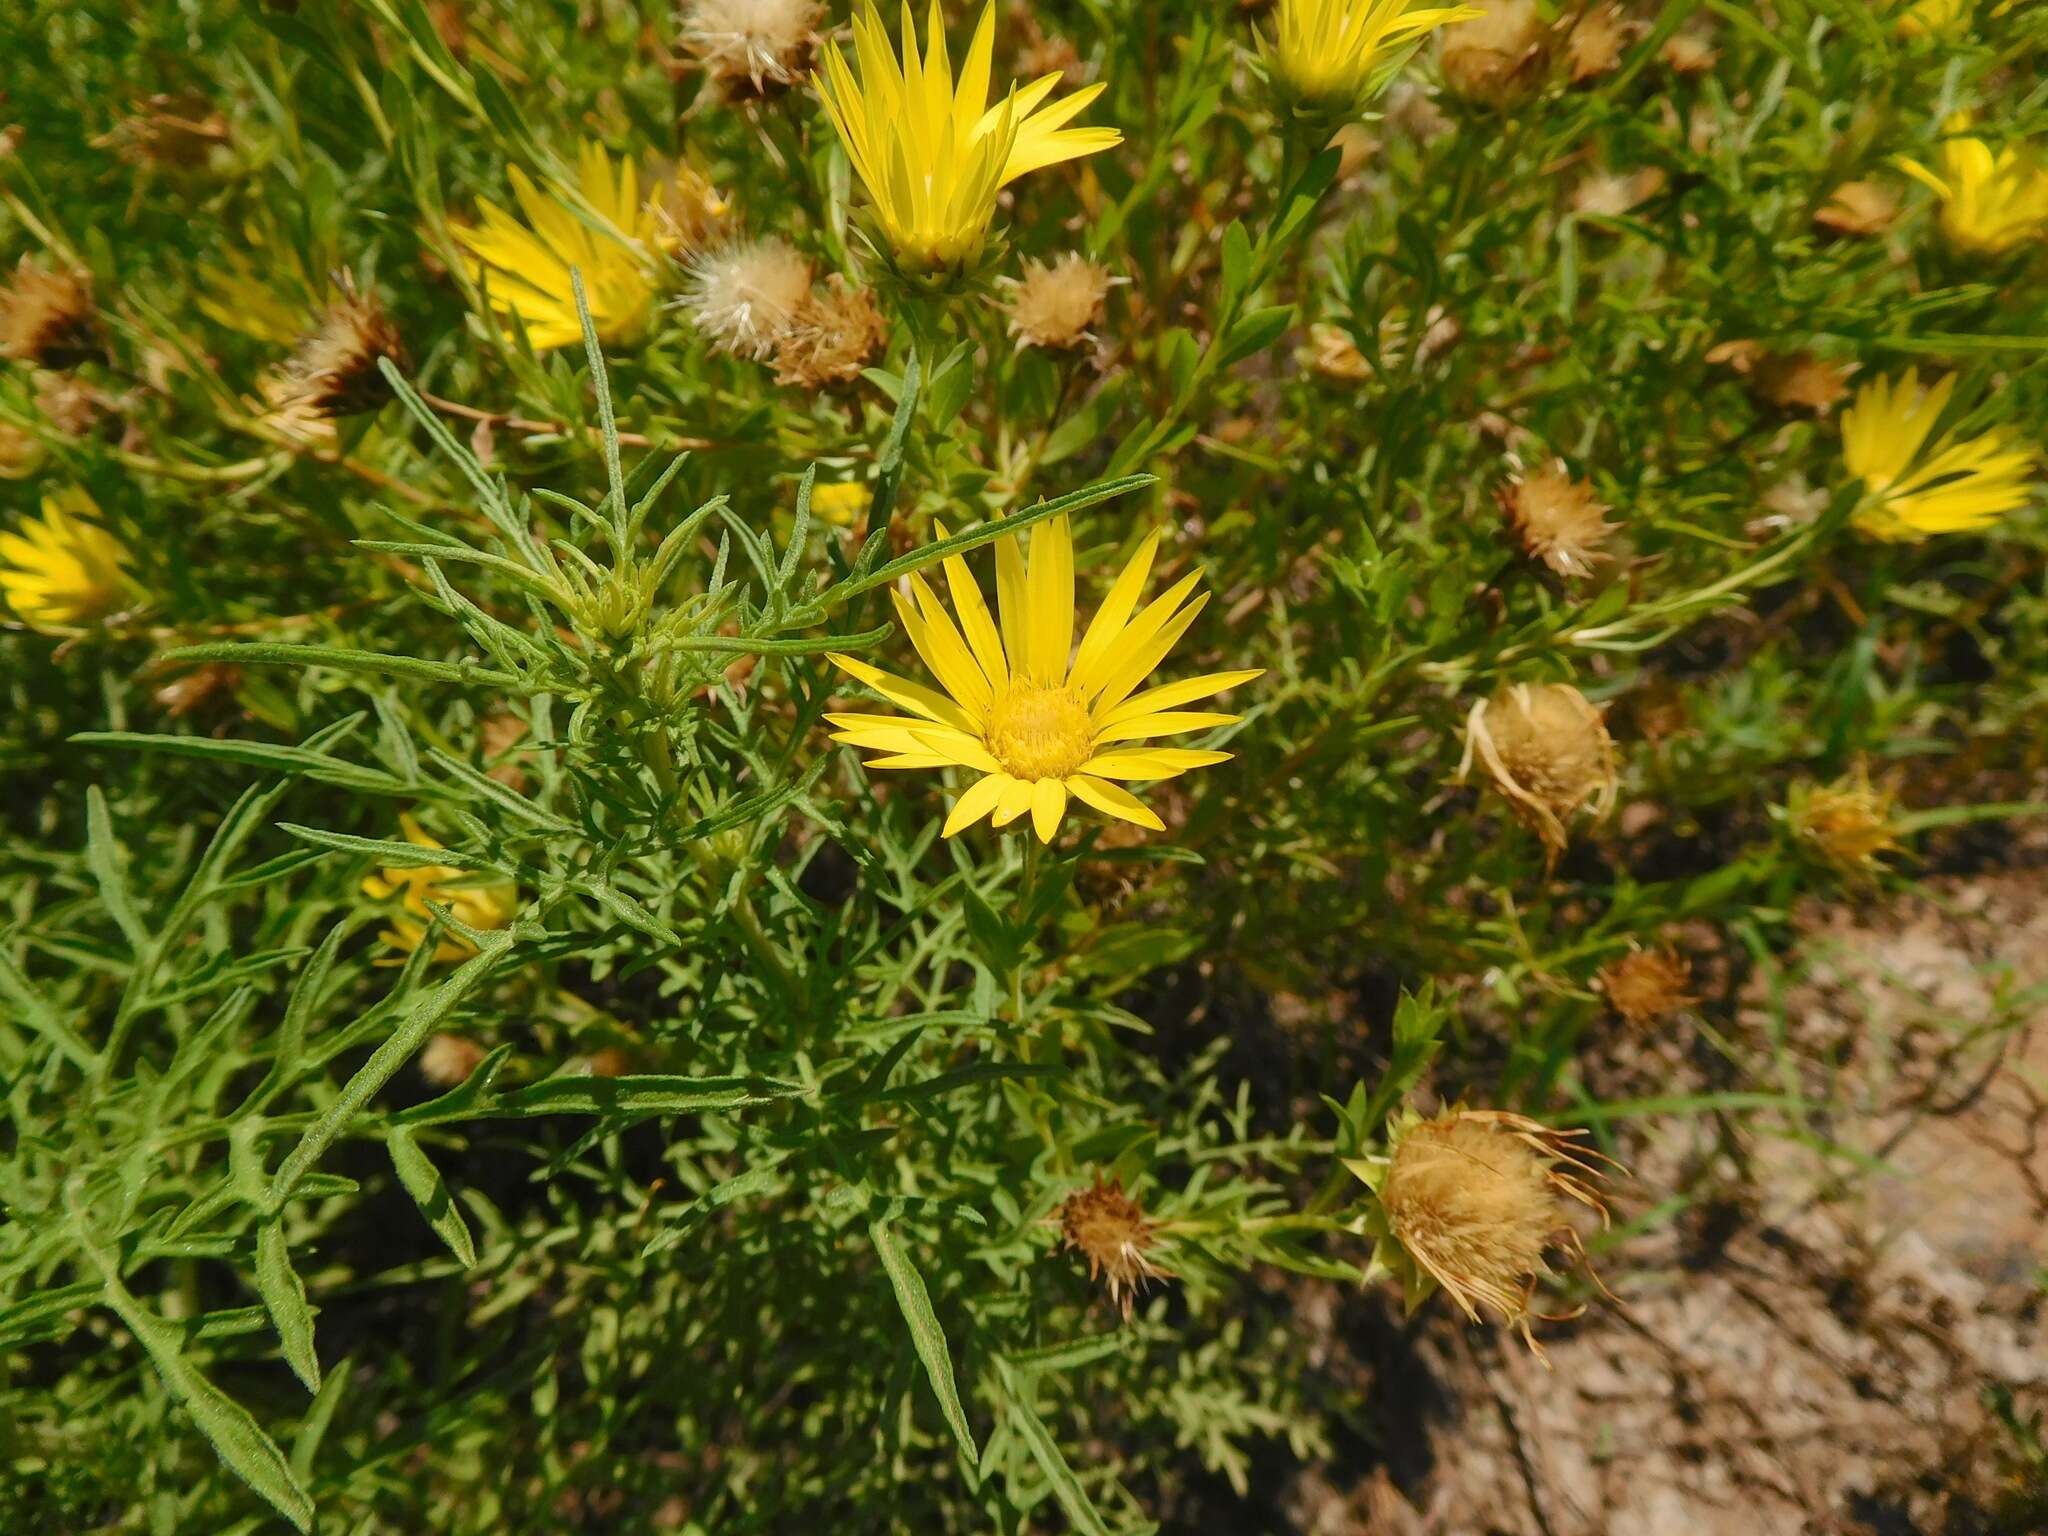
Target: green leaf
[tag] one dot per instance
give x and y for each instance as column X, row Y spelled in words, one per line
column 103, row 853
column 1066, row 1487
column 642, row 1096
column 236, row 1437
column 421, row 1021
column 342, row 658
column 429, row 1191
column 284, row 1295
column 1255, row 332
column 926, row 1336
column 257, row 754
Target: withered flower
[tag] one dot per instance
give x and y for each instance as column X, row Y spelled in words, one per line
column 1547, row 750
column 334, row 370
column 1055, row 305
column 752, row 47
column 1558, row 519
column 1474, row 1201
column 1646, row 985
column 1498, row 58
column 1594, row 45
column 834, row 333
column 47, row 317
column 1109, row 1227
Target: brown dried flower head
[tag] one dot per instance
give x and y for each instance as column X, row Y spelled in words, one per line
column 446, row 1060
column 835, row 331
column 334, row 370
column 1558, row 519
column 69, row 403
column 1476, row 1200
column 48, row 317
column 752, row 47
column 745, row 296
column 189, row 691
column 1498, row 58
column 1791, row 381
column 1110, row 1229
column 1547, row 750
column 1859, row 208
column 1597, row 38
column 1055, row 305
column 1646, row 985
column 1847, row 825
column 1690, row 53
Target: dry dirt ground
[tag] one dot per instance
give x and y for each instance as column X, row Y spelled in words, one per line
column 1837, row 1334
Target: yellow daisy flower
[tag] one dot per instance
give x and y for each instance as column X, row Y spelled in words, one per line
column 1339, row 53
column 526, row 266
column 1038, row 719
column 63, row 569
column 475, row 906
column 1923, row 18
column 1957, row 487
column 1992, row 201
column 932, row 153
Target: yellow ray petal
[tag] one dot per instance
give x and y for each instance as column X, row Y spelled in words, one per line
column 1113, row 800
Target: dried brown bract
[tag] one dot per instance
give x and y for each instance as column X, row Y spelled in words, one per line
column 48, row 318
column 1496, row 59
column 1476, row 1200
column 1057, row 305
column 1558, row 519
column 1646, row 985
column 1547, row 750
column 334, row 370
column 835, row 332
column 1593, row 46
column 752, row 47
column 1109, row 1228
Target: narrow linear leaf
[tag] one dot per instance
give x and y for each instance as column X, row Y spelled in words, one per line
column 1066, row 1487
column 429, row 1191
column 926, row 1336
column 236, row 1437
column 345, row 659
column 284, row 1295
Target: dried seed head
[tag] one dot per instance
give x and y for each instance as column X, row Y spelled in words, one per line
column 1646, row 985
column 1558, row 519
column 48, row 318
column 1596, row 40
column 1859, row 208
column 1847, row 825
column 334, row 370
column 746, row 296
column 835, row 331
column 1498, row 58
column 446, row 1060
column 1475, row 1200
column 1055, row 305
column 1547, row 749
column 752, row 47
column 1109, row 1227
